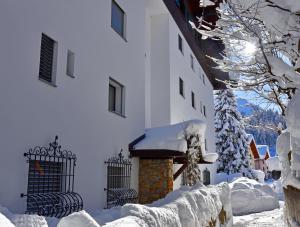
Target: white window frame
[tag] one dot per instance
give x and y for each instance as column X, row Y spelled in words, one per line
column 70, row 69
column 183, row 88
column 123, row 34
column 119, row 96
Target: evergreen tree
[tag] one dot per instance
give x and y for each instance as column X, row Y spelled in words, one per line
column 231, row 143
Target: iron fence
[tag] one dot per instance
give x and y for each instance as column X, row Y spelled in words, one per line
column 118, row 182
column 50, row 190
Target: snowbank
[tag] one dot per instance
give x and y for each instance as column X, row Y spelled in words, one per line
column 224, row 177
column 171, row 137
column 5, row 222
column 249, row 196
column 78, row 219
column 260, row 175
column 24, row 220
column 188, row 207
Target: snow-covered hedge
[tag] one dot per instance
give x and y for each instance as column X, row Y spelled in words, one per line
column 249, row 196
column 195, row 206
column 186, row 207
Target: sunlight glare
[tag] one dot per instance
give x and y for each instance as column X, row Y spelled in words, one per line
column 249, row 48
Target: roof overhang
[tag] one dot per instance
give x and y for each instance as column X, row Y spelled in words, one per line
column 200, row 48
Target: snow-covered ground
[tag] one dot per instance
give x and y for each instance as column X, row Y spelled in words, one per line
column 272, row 218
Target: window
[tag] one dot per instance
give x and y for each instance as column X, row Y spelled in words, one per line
column 204, row 110
column 180, row 44
column 181, row 87
column 116, row 97
column 70, row 63
column 193, row 100
column 192, row 62
column 48, row 57
column 118, row 18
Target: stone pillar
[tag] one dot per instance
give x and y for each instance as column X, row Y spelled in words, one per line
column 155, row 179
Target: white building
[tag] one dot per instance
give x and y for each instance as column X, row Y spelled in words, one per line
column 96, row 74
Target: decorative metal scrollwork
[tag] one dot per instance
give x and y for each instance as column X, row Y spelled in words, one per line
column 118, row 181
column 50, row 190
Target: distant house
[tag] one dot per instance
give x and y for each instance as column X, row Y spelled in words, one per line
column 258, row 155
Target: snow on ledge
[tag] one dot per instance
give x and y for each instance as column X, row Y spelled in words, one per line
column 210, row 157
column 171, row 137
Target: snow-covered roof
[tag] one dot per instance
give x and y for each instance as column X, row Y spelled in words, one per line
column 249, row 138
column 263, row 151
column 170, row 137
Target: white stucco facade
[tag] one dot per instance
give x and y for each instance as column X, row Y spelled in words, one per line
column 147, row 63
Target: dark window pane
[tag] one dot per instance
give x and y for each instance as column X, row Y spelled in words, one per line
column 46, row 58
column 112, row 98
column 117, row 18
column 180, row 43
column 193, row 100
column 181, row 91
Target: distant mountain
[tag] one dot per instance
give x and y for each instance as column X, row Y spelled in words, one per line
column 259, row 116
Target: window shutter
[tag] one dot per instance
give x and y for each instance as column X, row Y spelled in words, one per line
column 46, row 58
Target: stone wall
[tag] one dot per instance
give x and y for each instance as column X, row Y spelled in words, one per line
column 155, row 179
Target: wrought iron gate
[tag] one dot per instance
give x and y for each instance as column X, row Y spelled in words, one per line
column 118, row 182
column 50, row 190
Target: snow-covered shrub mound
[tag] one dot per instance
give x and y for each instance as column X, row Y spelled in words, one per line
column 186, row 207
column 224, row 177
column 78, row 219
column 249, row 196
column 24, row 220
column 260, row 175
column 5, row 222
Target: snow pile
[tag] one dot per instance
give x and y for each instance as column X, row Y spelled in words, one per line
column 211, row 157
column 273, row 163
column 171, row 137
column 24, row 220
column 249, row 196
column 224, row 177
column 5, row 222
column 188, row 206
column 78, row 219
column 272, row 218
column 260, row 175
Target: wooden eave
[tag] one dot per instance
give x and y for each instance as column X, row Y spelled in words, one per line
column 177, row 156
column 200, row 48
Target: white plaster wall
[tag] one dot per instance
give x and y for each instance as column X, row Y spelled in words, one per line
column 181, row 107
column 160, row 70
column 33, row 112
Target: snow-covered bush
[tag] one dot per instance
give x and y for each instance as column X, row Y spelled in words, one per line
column 231, row 138
column 78, row 219
column 260, row 175
column 187, row 207
column 25, row 220
column 5, row 222
column 249, row 196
